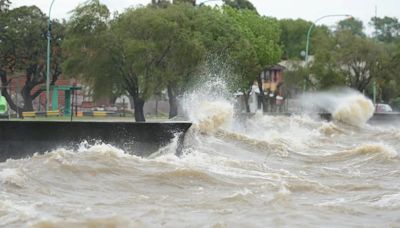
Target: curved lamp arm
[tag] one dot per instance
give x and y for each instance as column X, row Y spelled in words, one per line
column 313, row 25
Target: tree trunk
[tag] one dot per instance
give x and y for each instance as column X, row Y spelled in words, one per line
column 133, row 89
column 113, row 99
column 246, row 101
column 173, row 103
column 262, row 95
column 138, row 105
column 4, row 92
column 272, row 102
column 131, row 103
column 26, row 95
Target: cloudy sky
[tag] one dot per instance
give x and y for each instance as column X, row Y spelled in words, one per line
column 306, row 9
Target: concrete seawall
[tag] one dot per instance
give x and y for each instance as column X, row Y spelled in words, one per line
column 376, row 118
column 19, row 139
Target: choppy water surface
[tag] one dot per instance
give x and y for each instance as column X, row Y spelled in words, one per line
column 258, row 172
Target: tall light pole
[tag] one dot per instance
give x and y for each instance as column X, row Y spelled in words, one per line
column 48, row 58
column 313, row 25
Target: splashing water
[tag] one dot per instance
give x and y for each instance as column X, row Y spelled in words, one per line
column 345, row 105
column 13, row 177
column 209, row 106
column 355, row 110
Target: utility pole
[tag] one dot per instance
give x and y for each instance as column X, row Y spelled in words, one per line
column 48, row 58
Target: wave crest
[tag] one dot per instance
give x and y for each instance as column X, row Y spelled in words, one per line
column 355, row 110
column 373, row 149
column 13, row 177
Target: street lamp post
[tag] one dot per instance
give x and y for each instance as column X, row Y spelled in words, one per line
column 48, row 58
column 312, row 26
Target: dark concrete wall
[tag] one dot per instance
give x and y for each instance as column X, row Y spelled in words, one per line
column 376, row 118
column 20, row 139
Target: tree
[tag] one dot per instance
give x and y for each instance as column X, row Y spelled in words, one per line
column 293, row 37
column 23, row 48
column 240, row 4
column 205, row 35
column 149, row 38
column 348, row 58
column 388, row 80
column 143, row 51
column 185, row 53
column 258, row 48
column 387, row 29
column 352, row 24
column 92, row 50
column 294, row 78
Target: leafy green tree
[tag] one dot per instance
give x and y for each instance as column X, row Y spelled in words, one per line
column 352, row 24
column 171, row 44
column 92, row 50
column 361, row 60
column 348, row 58
column 324, row 68
column 293, row 37
column 23, row 49
column 388, row 80
column 294, row 78
column 143, row 51
column 387, row 29
column 258, row 49
column 240, row 4
column 180, row 65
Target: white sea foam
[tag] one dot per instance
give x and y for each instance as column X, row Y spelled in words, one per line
column 345, row 105
column 13, row 177
column 169, row 149
column 209, row 107
column 102, row 150
column 355, row 110
column 380, row 149
column 12, row 212
column 390, row 201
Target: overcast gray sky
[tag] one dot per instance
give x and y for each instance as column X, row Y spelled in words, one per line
column 305, row 9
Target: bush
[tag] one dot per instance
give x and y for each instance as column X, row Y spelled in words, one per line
column 396, row 104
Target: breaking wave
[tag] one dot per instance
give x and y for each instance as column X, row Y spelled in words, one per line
column 209, row 107
column 345, row 105
column 13, row 177
column 376, row 150
column 355, row 110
